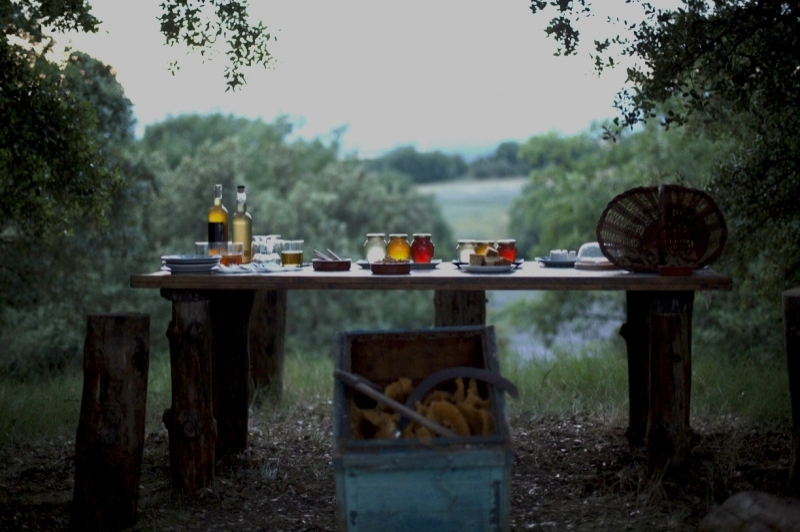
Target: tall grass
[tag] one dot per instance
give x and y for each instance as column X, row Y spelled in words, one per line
column 593, row 380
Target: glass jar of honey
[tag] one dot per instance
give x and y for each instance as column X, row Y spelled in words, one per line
column 422, row 248
column 482, row 245
column 507, row 248
column 398, row 247
column 375, row 247
column 465, row 248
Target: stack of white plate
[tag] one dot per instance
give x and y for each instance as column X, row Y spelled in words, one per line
column 188, row 264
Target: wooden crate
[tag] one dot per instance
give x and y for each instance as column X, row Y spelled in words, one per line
column 442, row 484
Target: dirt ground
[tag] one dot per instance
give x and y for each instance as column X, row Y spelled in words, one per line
column 574, row 473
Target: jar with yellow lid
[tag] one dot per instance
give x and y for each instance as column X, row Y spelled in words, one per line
column 398, row 247
column 375, row 247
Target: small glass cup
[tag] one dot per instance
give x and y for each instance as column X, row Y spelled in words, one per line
column 230, row 252
column 202, row 248
column 292, row 253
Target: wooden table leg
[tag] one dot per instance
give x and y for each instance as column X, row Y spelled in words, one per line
column 230, row 363
column 267, row 344
column 636, row 332
column 658, row 333
column 459, row 307
column 190, row 420
column 669, row 434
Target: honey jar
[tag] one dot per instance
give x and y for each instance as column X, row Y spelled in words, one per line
column 375, row 247
column 464, row 249
column 507, row 248
column 482, row 245
column 422, row 248
column 398, row 247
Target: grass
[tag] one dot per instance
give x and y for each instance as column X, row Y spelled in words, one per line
column 593, row 381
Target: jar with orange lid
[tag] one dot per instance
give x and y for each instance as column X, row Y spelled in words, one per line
column 507, row 248
column 422, row 248
column 482, row 245
column 466, row 247
column 398, row 247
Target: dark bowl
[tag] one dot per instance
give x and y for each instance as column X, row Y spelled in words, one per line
column 331, row 265
column 390, row 268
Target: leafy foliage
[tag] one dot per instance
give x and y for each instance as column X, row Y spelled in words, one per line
column 728, row 70
column 424, row 167
column 190, row 22
column 504, row 162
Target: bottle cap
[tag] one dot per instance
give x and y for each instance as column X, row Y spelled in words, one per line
column 240, row 188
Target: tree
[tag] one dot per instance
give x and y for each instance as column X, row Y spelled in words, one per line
column 53, row 170
column 428, row 167
column 727, row 70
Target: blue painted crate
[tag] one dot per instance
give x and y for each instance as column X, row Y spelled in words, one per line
column 444, row 484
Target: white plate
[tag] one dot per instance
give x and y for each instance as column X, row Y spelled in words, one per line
column 186, row 269
column 545, row 261
column 488, row 269
column 190, row 259
column 426, row 265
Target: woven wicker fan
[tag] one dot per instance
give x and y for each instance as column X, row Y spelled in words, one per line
column 669, row 225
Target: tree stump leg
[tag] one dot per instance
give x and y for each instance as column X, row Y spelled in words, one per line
column 791, row 329
column 636, row 332
column 459, row 307
column 190, row 420
column 110, row 436
column 669, row 434
column 230, row 367
column 267, row 345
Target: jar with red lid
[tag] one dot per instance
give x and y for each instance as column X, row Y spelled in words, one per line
column 507, row 248
column 398, row 247
column 422, row 248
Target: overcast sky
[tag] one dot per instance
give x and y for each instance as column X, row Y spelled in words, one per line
column 453, row 75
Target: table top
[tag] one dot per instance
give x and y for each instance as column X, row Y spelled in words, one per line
column 446, row 276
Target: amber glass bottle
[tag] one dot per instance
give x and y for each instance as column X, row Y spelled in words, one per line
column 243, row 225
column 217, row 218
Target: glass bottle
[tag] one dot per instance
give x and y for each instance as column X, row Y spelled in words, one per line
column 375, row 247
column 507, row 248
column 465, row 248
column 398, row 247
column 217, row 218
column 243, row 225
column 422, row 248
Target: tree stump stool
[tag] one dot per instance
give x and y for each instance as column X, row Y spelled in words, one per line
column 110, row 436
column 791, row 328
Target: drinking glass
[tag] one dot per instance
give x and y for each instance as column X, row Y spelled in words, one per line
column 292, row 253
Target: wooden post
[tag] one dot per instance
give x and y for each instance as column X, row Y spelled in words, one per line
column 636, row 332
column 190, row 420
column 459, row 307
column 110, row 436
column 230, row 366
column 267, row 345
column 791, row 331
column 669, row 434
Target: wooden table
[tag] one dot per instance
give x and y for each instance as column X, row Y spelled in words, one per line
column 209, row 331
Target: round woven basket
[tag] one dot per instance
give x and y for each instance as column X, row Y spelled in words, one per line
column 669, row 225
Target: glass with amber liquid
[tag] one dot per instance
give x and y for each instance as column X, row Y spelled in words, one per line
column 217, row 219
column 243, row 225
column 292, row 253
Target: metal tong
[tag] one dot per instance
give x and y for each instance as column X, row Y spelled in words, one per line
column 368, row 388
